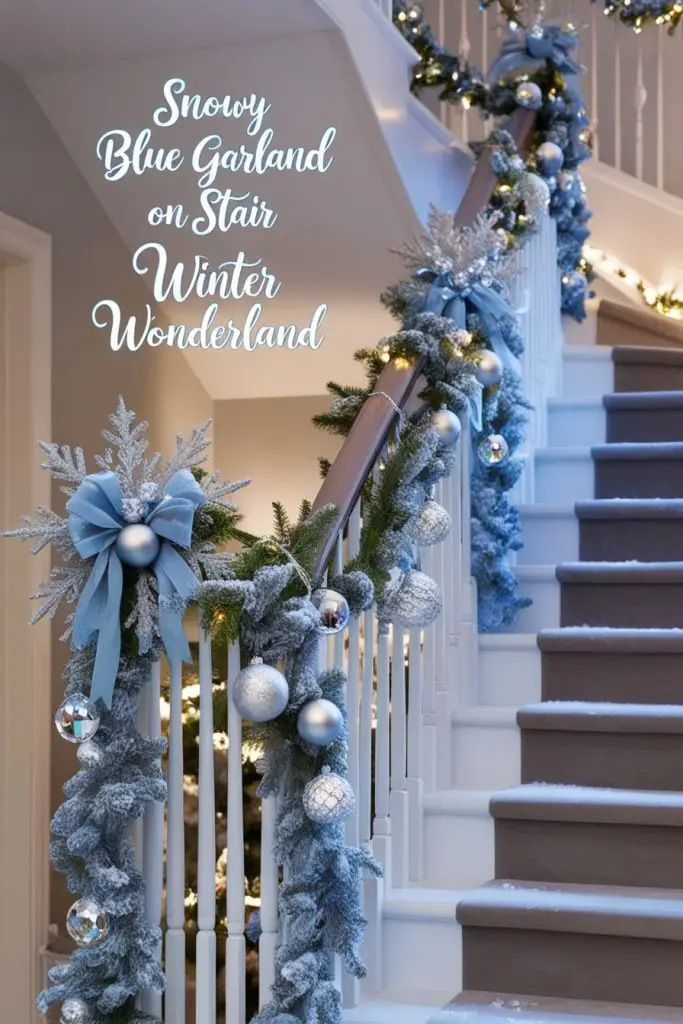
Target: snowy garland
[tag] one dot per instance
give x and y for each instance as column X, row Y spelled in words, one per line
column 137, row 540
column 455, row 314
column 535, row 69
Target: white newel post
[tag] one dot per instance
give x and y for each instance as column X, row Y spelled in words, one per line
column 174, row 1003
column 153, row 838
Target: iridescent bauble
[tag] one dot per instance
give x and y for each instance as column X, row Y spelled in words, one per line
column 328, row 798
column 492, row 450
column 488, row 369
column 333, row 609
column 431, row 525
column 414, row 601
column 447, row 425
column 74, row 1011
column 319, row 722
column 550, row 157
column 259, row 692
column 87, row 923
column 138, row 545
column 76, row 719
column 529, row 95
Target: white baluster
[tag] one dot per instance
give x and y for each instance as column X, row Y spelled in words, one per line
column 338, row 640
column 206, row 847
column 415, row 781
column 595, row 120
column 235, row 953
column 444, row 108
column 153, row 839
column 660, row 110
column 174, row 1002
column 351, row 985
column 382, row 823
column 488, row 124
column 399, row 795
column 639, row 103
column 465, row 47
column 365, row 729
column 269, row 916
column 618, row 29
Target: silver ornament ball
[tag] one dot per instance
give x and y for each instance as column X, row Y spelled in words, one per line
column 550, row 157
column 565, row 181
column 76, row 719
column 529, row 95
column 319, row 722
column 492, row 450
column 447, row 425
column 87, row 923
column 259, row 692
column 89, row 754
column 431, row 525
column 414, row 601
column 333, row 609
column 489, row 368
column 138, row 545
column 328, row 798
column 74, row 1011
column 535, row 193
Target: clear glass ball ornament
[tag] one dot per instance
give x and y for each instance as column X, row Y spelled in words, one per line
column 333, row 609
column 137, row 545
column 529, row 95
column 259, row 692
column 319, row 722
column 87, row 922
column 328, row 798
column 431, row 525
column 447, row 425
column 492, row 450
column 77, row 719
column 74, row 1011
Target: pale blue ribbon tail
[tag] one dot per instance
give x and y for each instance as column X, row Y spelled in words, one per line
column 99, row 611
column 475, row 402
column 177, row 583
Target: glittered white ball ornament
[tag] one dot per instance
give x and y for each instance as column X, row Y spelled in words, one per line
column 87, row 923
column 319, row 722
column 89, row 754
column 333, row 609
column 492, row 450
column 488, row 369
column 77, row 719
column 529, row 95
column 550, row 157
column 259, row 692
column 328, row 798
column 447, row 425
column 74, row 1011
column 431, row 525
column 138, row 545
column 413, row 601
column 534, row 190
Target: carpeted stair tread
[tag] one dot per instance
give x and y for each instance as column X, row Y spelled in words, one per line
column 625, row 911
column 504, row 1007
column 630, row 508
column 605, row 640
column 598, row 716
column 629, row 451
column 647, row 354
column 644, row 400
column 541, row 801
column 620, row 572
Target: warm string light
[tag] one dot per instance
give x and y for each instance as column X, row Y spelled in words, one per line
column 665, row 301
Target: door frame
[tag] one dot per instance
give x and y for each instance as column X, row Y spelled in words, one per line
column 25, row 655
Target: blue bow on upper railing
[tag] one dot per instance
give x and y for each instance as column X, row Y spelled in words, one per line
column 527, row 51
column 96, row 524
column 445, row 299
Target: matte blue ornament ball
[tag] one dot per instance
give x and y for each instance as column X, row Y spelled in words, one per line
column 137, row 545
column 319, row 722
column 550, row 157
column 447, row 425
column 260, row 693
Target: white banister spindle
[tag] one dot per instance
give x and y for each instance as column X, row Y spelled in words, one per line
column 351, row 985
column 444, row 108
column 618, row 29
column 174, row 1003
column 382, row 824
column 464, row 48
column 206, row 847
column 153, row 839
column 235, row 952
column 415, row 780
column 269, row 916
column 338, row 640
column 365, row 729
column 595, row 118
column 640, row 99
column 660, row 110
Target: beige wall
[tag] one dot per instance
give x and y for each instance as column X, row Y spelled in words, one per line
column 274, row 444
column 40, row 184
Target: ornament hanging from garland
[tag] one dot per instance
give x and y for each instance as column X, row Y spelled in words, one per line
column 87, row 923
column 529, row 95
column 431, row 525
column 75, row 1011
column 637, row 14
column 333, row 609
column 488, row 368
column 447, row 425
column 260, row 693
column 492, row 449
column 328, row 798
column 414, row 600
column 77, row 719
column 319, row 722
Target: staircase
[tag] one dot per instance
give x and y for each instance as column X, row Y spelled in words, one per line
column 585, row 912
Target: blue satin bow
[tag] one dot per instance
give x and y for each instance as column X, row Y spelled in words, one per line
column 527, row 51
column 95, row 521
column 445, row 299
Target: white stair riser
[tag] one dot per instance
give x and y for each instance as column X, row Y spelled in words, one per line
column 485, row 757
column 548, row 540
column 422, row 955
column 544, row 611
column 509, row 676
column 562, row 481
column 574, row 424
column 590, row 376
column 458, row 850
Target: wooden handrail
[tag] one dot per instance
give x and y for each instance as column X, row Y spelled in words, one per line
column 368, row 435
